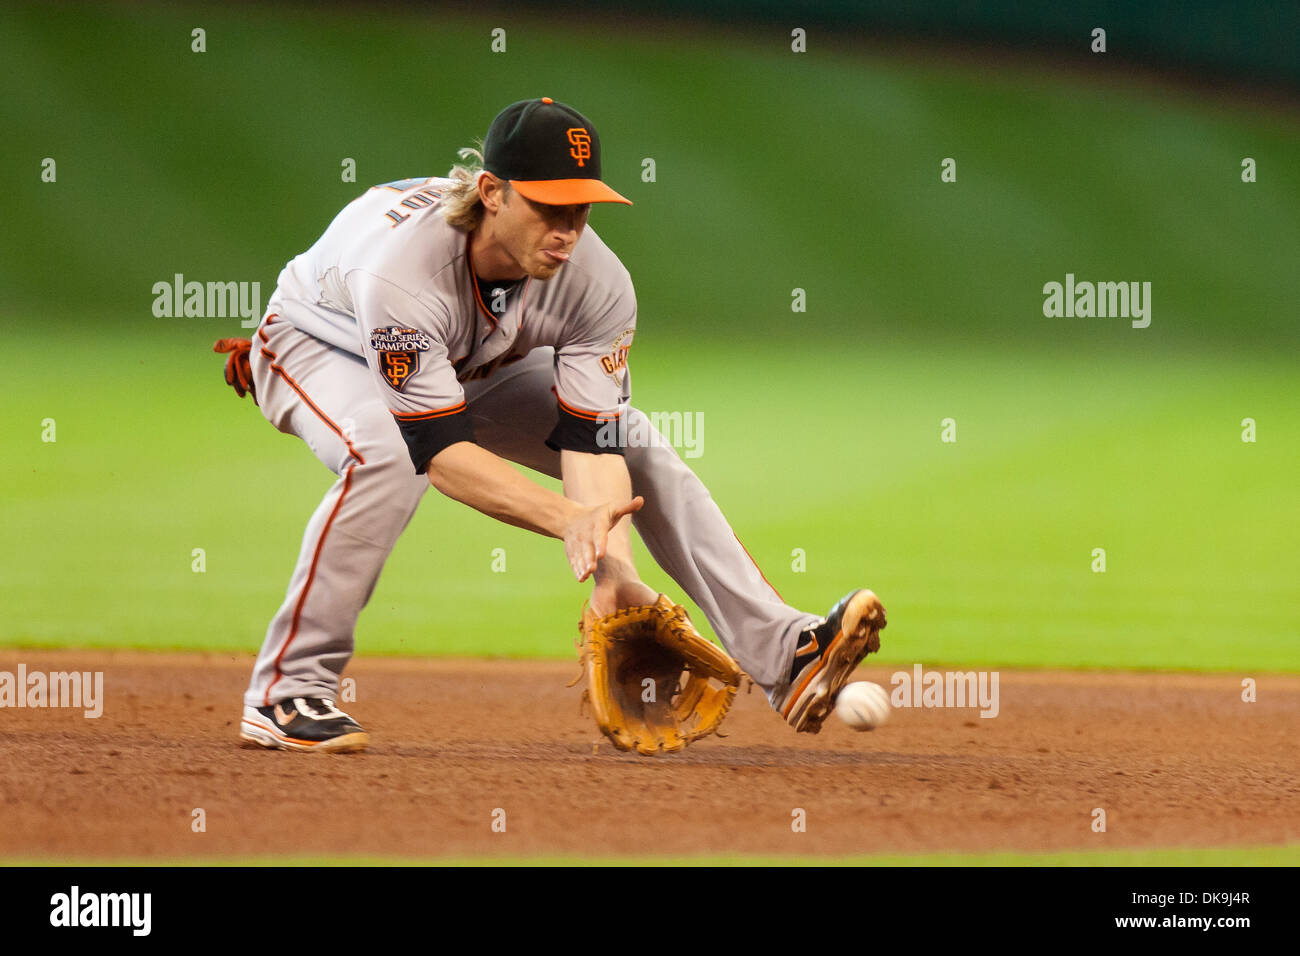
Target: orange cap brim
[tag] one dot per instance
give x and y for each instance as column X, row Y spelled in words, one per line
column 566, row 192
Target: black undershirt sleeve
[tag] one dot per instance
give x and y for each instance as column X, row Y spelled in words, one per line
column 575, row 433
column 427, row 436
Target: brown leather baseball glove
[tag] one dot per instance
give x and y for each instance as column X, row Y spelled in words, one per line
column 654, row 683
column 239, row 375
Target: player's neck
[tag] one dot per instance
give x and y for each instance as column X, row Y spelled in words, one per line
column 491, row 262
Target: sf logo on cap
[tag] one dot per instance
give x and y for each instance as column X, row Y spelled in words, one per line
column 581, row 142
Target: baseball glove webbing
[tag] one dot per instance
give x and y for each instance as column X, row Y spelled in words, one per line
column 655, row 685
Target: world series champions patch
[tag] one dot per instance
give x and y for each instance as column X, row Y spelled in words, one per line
column 399, row 353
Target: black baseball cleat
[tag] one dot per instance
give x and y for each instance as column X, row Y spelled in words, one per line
column 305, row 724
column 826, row 655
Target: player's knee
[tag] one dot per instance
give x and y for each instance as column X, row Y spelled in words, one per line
column 385, row 463
column 378, row 456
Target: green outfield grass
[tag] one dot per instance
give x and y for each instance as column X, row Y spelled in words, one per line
column 821, row 429
column 981, row 548
column 1235, row 856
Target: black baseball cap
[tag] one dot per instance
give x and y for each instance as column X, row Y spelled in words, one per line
column 548, row 152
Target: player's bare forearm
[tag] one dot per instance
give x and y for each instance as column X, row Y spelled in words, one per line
column 474, row 476
column 588, row 479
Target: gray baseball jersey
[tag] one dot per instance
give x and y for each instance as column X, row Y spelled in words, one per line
column 391, row 282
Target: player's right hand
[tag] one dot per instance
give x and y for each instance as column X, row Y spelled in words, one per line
column 586, row 535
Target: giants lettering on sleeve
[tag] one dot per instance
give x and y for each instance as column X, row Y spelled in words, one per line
column 615, row 360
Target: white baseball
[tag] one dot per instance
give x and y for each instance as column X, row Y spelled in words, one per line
column 863, row 705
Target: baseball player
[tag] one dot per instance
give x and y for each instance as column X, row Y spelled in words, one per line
column 442, row 327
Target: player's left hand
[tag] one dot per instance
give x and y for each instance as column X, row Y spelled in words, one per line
column 586, row 535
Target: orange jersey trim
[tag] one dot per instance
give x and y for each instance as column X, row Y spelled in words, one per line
column 435, row 413
column 473, row 284
column 584, row 413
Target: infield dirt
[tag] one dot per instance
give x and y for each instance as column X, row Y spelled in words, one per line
column 1174, row 760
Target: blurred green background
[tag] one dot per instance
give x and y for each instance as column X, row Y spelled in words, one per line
column 774, row 171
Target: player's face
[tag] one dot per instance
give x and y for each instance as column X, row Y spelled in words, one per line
column 537, row 236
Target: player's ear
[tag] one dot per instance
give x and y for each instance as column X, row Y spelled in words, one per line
column 492, row 191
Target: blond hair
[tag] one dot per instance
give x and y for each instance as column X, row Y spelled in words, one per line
column 461, row 205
